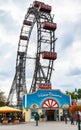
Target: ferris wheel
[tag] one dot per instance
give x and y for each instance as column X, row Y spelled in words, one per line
column 36, row 46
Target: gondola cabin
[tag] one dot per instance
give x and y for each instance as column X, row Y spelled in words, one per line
column 45, row 8
column 49, row 26
column 49, row 55
column 25, row 22
column 23, row 37
column 37, row 3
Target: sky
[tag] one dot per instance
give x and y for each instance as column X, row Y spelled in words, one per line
column 67, row 15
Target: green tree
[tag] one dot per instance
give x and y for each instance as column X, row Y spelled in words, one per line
column 79, row 93
column 2, row 99
column 74, row 95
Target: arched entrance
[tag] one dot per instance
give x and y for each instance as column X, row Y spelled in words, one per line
column 50, row 105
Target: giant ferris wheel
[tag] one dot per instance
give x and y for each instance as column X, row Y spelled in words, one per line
column 38, row 34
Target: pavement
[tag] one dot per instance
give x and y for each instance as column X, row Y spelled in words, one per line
column 41, row 126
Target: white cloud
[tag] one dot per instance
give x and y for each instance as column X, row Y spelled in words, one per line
column 68, row 46
column 67, row 10
column 5, row 85
column 11, row 8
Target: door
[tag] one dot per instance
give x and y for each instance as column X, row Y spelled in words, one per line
column 50, row 115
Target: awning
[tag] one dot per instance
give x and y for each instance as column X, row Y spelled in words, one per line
column 7, row 109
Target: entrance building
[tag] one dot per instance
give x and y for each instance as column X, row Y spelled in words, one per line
column 50, row 104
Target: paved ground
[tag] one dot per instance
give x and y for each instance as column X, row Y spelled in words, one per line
column 41, row 126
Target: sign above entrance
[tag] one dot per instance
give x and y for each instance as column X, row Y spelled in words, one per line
column 48, row 94
column 46, row 99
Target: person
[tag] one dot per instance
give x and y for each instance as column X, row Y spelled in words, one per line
column 72, row 120
column 36, row 117
column 0, row 118
column 9, row 119
column 66, row 119
column 78, row 122
column 77, row 118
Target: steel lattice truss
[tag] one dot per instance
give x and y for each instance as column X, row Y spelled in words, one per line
column 38, row 14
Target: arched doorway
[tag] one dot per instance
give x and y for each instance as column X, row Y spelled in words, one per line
column 49, row 106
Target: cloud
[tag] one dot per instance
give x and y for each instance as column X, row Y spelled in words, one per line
column 75, row 72
column 68, row 46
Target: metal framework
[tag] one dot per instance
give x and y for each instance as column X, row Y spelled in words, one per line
column 40, row 14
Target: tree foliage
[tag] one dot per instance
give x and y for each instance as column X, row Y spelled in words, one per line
column 74, row 95
column 2, row 99
column 79, row 93
column 75, row 108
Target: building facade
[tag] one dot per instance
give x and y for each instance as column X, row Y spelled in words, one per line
column 51, row 104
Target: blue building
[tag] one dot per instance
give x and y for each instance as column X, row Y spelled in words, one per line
column 53, row 104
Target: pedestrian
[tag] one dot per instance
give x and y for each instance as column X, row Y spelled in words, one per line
column 72, row 120
column 77, row 118
column 65, row 119
column 79, row 122
column 36, row 116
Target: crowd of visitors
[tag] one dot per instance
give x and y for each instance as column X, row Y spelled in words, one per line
column 73, row 118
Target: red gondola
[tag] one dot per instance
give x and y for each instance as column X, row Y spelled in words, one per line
column 42, row 6
column 49, row 55
column 23, row 37
column 27, row 22
column 37, row 3
column 49, row 26
column 45, row 8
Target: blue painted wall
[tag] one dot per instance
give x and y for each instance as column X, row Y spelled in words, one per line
column 39, row 96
